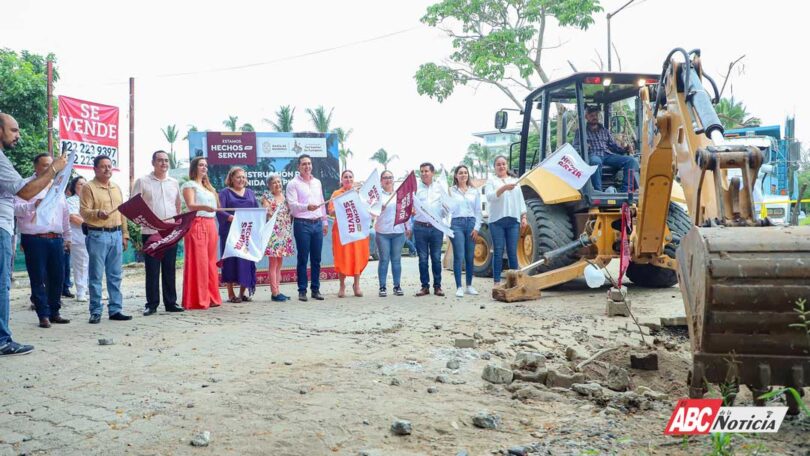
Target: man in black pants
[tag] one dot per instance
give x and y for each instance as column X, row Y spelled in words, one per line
column 162, row 194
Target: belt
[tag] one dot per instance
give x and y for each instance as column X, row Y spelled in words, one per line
column 106, row 230
column 422, row 224
column 310, row 221
column 45, row 235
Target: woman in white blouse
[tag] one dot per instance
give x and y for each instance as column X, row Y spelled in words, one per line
column 79, row 260
column 507, row 216
column 390, row 238
column 465, row 213
column 200, row 273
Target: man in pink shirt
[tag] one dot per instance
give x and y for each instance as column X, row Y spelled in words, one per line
column 44, row 245
column 305, row 197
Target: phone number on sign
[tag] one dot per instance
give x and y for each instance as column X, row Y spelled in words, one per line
column 85, row 152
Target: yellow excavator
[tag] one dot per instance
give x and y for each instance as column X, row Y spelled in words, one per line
column 689, row 222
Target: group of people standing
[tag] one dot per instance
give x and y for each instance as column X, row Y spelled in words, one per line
column 88, row 225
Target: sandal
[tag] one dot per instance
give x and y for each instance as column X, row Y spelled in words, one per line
column 246, row 298
column 234, row 300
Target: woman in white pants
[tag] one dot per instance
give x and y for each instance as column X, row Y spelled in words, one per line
column 79, row 259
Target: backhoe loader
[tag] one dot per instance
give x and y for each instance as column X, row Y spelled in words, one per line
column 740, row 278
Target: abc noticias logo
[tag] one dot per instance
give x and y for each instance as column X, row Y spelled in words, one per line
column 704, row 416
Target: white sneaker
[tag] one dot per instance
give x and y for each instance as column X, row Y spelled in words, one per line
column 472, row 291
column 460, row 293
column 81, row 298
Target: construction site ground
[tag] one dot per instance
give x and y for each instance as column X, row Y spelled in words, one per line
column 331, row 377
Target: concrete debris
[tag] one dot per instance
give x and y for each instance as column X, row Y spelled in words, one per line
column 563, row 377
column 644, row 361
column 497, row 375
column 109, row 341
column 529, row 360
column 588, row 389
column 401, row 427
column 618, row 379
column 673, row 322
column 537, row 376
column 575, row 352
column 201, row 440
column 486, row 420
column 453, row 364
column 465, row 343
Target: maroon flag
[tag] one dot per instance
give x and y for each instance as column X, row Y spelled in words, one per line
column 624, row 257
column 136, row 210
column 158, row 243
column 405, row 194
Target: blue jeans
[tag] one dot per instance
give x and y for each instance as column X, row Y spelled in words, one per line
column 429, row 244
column 389, row 249
column 625, row 163
column 505, row 233
column 463, row 247
column 5, row 285
column 308, row 243
column 411, row 246
column 105, row 250
column 67, row 283
column 44, row 260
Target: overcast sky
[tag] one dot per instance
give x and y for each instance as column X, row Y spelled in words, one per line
column 100, row 44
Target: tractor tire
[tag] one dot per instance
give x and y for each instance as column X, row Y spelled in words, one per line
column 482, row 256
column 550, row 228
column 649, row 276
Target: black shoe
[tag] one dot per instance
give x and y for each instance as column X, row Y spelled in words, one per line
column 317, row 295
column 13, row 348
column 398, row 291
column 95, row 319
column 59, row 320
column 383, row 292
column 120, row 317
column 175, row 308
column 148, row 311
column 68, row 294
column 302, row 297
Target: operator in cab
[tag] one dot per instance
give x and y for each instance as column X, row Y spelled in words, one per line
column 603, row 150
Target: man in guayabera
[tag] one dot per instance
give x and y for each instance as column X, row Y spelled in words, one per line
column 106, row 240
column 11, row 184
column 161, row 193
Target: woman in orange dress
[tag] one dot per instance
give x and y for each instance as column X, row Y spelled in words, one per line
column 352, row 258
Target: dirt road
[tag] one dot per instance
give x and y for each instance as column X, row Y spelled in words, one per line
column 331, row 377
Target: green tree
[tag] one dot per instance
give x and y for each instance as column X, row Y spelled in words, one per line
column 497, row 42
column 247, row 127
column 470, row 163
column 191, row 129
column 382, row 157
column 231, row 123
column 170, row 133
column 24, row 95
column 320, row 120
column 733, row 114
column 482, row 156
column 284, row 119
column 343, row 152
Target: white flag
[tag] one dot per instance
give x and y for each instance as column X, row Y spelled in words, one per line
column 249, row 234
column 431, row 218
column 353, row 218
column 566, row 164
column 371, row 194
column 46, row 211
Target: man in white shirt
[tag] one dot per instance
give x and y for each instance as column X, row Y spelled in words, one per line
column 429, row 239
column 161, row 193
column 44, row 244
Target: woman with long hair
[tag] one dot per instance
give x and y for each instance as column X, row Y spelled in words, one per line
column 236, row 270
column 352, row 258
column 390, row 238
column 200, row 275
column 465, row 221
column 507, row 216
column 79, row 259
column 281, row 241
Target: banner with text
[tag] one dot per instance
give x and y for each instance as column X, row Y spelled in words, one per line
column 370, row 193
column 279, row 147
column 249, row 234
column 89, row 129
column 353, row 219
column 566, row 164
column 232, row 149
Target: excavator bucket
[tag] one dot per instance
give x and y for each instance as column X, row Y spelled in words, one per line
column 741, row 288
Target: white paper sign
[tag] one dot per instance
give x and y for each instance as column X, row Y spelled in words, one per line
column 249, row 234
column 46, row 211
column 371, row 193
column 566, row 164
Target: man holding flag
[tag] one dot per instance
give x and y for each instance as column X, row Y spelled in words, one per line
column 429, row 239
column 45, row 237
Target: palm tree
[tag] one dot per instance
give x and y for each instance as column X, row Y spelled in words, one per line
column 170, row 133
column 231, row 123
column 191, row 129
column 483, row 155
column 284, row 119
column 247, row 127
column 469, row 162
column 382, row 157
column 320, row 120
column 343, row 153
column 733, row 114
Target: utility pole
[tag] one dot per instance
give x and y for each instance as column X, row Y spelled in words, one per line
column 50, row 108
column 131, row 133
column 609, row 43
